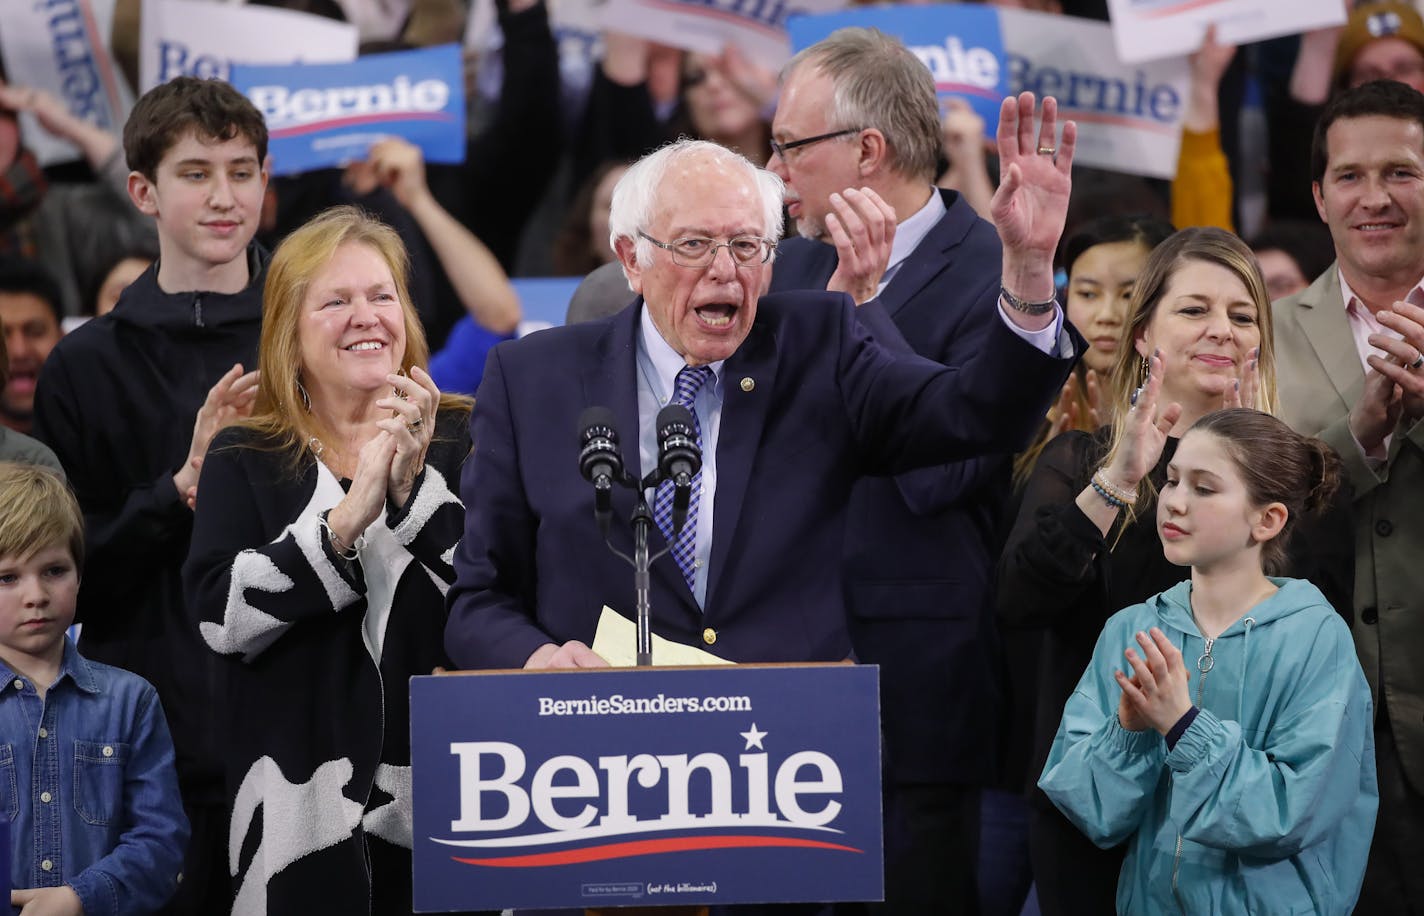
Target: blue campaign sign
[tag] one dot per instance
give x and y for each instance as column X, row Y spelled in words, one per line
column 959, row 43
column 546, row 299
column 321, row 115
column 646, row 787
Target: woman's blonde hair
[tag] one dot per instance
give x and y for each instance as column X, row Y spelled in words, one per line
column 1200, row 243
column 281, row 411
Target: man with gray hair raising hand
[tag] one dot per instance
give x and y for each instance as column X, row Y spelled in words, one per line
column 858, row 128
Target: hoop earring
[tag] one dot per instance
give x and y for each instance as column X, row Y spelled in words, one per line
column 1145, row 374
column 302, row 393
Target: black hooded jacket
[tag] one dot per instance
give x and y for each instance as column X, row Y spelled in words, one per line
column 116, row 401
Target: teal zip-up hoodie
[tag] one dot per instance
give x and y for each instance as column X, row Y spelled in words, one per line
column 1267, row 802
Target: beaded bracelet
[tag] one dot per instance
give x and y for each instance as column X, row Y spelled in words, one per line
column 337, row 544
column 1118, row 499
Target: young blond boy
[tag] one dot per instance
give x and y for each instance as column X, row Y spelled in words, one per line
column 86, row 763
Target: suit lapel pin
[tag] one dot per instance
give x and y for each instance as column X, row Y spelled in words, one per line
column 748, row 383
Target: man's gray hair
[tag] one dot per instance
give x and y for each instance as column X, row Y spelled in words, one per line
column 878, row 82
column 635, row 197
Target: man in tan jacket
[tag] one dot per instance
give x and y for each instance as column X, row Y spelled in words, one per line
column 1350, row 359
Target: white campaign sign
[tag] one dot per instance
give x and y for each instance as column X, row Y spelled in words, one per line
column 62, row 47
column 1153, row 29
column 1129, row 117
column 202, row 38
column 757, row 27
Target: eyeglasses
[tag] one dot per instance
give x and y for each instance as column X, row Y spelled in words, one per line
column 745, row 250
column 781, row 149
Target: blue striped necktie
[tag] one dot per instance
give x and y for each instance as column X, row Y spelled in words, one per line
column 690, row 380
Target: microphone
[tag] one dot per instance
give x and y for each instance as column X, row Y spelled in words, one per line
column 679, row 457
column 600, row 461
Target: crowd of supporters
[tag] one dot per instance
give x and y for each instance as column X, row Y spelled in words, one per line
column 1280, row 271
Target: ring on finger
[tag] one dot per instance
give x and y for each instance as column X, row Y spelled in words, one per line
column 1047, row 151
column 1418, row 360
column 415, row 424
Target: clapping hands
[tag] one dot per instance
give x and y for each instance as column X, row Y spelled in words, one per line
column 391, row 460
column 1157, row 694
column 228, row 401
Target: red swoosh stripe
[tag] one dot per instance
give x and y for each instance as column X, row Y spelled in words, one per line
column 646, row 848
column 968, row 89
column 360, row 119
column 1175, row 9
column 1119, row 120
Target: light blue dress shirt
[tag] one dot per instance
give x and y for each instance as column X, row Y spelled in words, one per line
column 658, row 366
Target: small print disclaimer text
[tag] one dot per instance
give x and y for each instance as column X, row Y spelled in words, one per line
column 632, row 889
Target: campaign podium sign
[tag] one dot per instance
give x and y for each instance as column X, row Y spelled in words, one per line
column 646, row 787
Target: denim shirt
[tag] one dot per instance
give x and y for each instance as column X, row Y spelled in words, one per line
column 87, row 781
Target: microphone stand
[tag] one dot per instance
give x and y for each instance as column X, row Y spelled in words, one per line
column 642, row 522
column 679, row 457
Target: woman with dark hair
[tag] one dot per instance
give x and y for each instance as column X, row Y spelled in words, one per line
column 582, row 244
column 1084, row 544
column 645, row 95
column 1102, row 259
column 115, row 273
column 322, row 546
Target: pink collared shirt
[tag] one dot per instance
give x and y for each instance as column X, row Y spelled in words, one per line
column 1362, row 324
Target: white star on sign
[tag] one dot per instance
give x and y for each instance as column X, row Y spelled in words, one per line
column 753, row 738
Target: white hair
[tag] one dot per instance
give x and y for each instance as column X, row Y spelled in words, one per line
column 635, row 195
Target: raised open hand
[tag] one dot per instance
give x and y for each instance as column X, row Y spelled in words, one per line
column 1145, row 435
column 1031, row 204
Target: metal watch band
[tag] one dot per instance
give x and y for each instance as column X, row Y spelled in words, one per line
column 1023, row 305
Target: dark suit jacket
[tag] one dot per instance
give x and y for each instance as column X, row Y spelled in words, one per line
column 810, row 404
column 920, row 548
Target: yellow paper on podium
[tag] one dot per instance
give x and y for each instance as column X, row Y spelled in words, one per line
column 617, row 641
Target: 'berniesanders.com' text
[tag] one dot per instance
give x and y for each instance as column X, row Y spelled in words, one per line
column 619, row 705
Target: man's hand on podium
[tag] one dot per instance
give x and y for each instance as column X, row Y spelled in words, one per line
column 572, row 654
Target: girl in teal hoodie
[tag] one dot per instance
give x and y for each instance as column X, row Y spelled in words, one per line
column 1234, row 746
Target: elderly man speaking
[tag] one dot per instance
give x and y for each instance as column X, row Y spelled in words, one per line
column 793, row 398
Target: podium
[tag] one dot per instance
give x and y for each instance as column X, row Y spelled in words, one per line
column 646, row 787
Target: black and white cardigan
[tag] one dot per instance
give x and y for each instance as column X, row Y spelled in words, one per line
column 318, row 656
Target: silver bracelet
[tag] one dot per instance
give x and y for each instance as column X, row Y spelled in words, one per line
column 1024, row 305
column 337, row 544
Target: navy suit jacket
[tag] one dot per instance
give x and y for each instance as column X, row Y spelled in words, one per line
column 920, row 548
column 810, row 404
